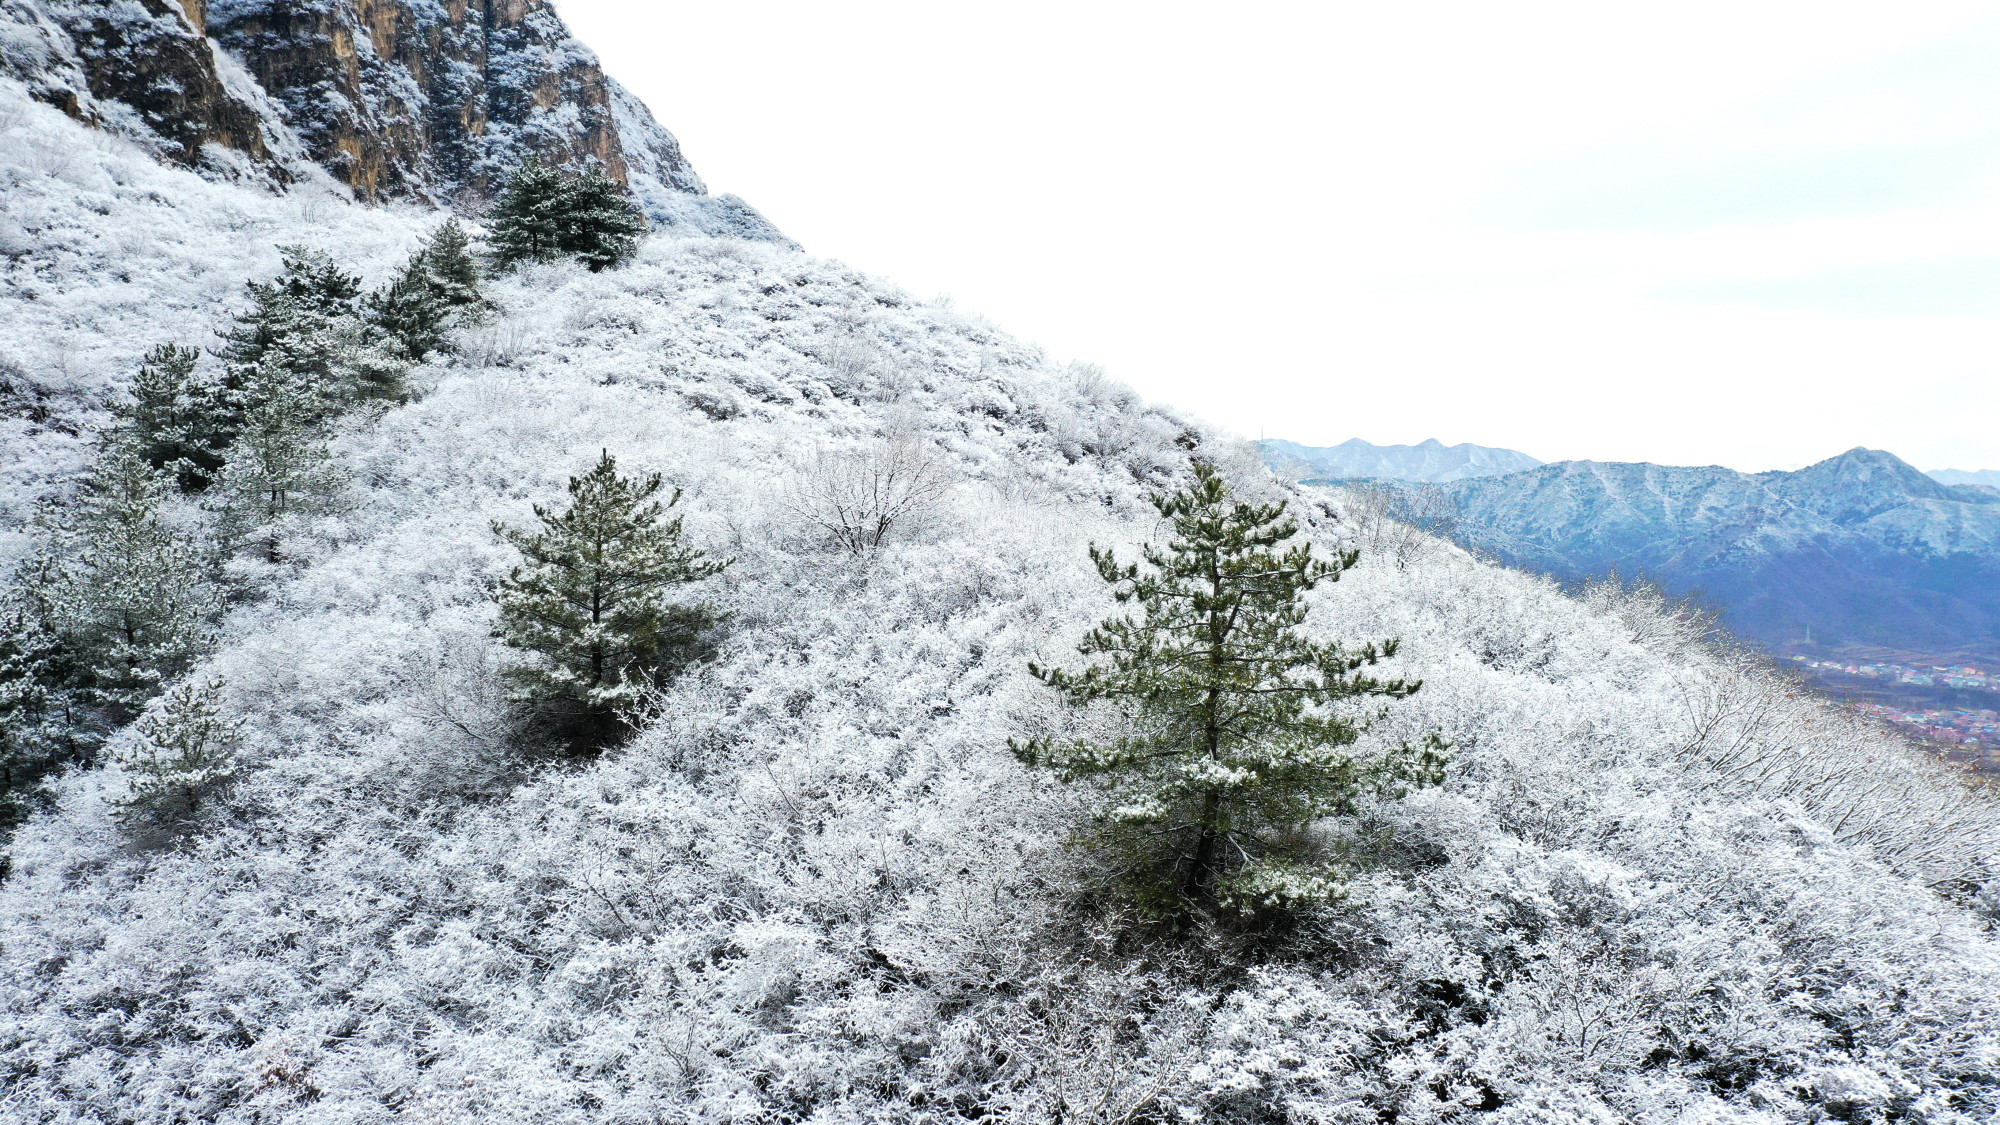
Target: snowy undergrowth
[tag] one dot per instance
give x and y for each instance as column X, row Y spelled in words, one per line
column 816, row 886
column 104, row 253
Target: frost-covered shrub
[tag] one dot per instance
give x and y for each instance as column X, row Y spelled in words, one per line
column 858, row 499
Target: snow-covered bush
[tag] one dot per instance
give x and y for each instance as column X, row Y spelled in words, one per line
column 857, row 499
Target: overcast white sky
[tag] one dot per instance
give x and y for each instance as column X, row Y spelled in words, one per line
column 1751, row 234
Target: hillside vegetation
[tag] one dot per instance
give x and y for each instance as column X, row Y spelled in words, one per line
column 1656, row 883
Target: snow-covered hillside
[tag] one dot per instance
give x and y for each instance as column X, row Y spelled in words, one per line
column 104, row 253
column 1659, row 885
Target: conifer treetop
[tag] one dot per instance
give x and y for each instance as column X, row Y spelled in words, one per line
column 591, row 597
column 1237, row 739
column 547, row 213
column 613, row 522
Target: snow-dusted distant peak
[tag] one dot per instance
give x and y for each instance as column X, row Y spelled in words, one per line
column 1983, row 478
column 1837, row 546
column 1429, row 461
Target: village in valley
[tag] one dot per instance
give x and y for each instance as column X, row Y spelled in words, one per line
column 1969, row 733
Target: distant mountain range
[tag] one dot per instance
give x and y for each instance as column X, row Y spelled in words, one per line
column 1429, row 461
column 1988, row 478
column 1860, row 549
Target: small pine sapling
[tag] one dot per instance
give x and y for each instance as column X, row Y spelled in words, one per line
column 436, row 289
column 591, row 601
column 278, row 474
column 183, row 751
column 39, row 731
column 177, row 420
column 453, row 271
column 408, row 313
column 135, row 605
column 1238, row 743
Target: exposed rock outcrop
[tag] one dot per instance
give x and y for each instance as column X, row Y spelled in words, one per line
column 432, row 100
column 143, row 68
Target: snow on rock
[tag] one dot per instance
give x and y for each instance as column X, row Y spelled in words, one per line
column 394, row 100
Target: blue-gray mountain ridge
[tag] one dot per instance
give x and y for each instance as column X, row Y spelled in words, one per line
column 1859, row 548
column 1990, row 478
column 1429, row 461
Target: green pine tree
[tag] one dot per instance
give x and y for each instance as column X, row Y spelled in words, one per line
column 1238, row 741
column 436, row 289
column 278, row 475
column 183, row 750
column 307, row 326
column 600, row 227
column 177, row 420
column 409, row 313
column 135, row 606
column 591, row 600
column 311, row 291
column 526, row 225
column 111, row 601
column 547, row 213
column 41, row 726
column 453, row 271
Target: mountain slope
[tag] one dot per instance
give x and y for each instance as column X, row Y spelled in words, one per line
column 1858, row 548
column 1657, row 887
column 1429, row 460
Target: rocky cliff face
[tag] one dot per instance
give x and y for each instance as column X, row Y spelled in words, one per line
column 144, row 69
column 402, row 99
column 430, row 100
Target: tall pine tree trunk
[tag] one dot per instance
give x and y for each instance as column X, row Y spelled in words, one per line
column 1200, row 878
column 1199, row 881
